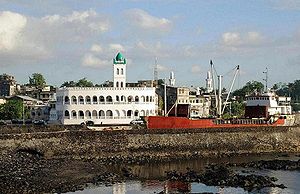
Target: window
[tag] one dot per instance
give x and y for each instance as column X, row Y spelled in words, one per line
column 118, row 71
column 122, row 72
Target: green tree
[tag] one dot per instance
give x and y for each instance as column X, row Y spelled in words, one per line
column 84, row 83
column 80, row 83
column 37, row 79
column 249, row 88
column 68, row 84
column 12, row 109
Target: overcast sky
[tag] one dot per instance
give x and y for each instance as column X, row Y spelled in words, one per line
column 71, row 39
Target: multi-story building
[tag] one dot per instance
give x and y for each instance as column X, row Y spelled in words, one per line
column 105, row 105
column 8, row 85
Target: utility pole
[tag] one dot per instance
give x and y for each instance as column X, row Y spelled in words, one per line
column 165, row 98
column 266, row 79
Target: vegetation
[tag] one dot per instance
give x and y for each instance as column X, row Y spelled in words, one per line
column 249, row 88
column 290, row 89
column 12, row 109
column 80, row 83
column 37, row 79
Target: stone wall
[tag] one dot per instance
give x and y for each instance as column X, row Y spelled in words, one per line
column 139, row 145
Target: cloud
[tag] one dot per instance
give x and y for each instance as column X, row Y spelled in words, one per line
column 89, row 20
column 116, row 48
column 96, row 48
column 90, row 60
column 196, row 69
column 143, row 20
column 236, row 39
column 38, row 38
column 11, row 28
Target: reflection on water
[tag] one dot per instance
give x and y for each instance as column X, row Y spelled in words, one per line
column 151, row 178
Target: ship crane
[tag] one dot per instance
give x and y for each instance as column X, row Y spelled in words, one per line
column 221, row 106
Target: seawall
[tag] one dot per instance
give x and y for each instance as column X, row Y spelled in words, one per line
column 143, row 145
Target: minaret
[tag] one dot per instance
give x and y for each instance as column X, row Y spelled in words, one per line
column 172, row 79
column 209, row 87
column 119, row 71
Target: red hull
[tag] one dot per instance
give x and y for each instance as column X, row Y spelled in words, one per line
column 159, row 122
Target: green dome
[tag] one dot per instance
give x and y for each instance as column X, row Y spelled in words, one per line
column 119, row 57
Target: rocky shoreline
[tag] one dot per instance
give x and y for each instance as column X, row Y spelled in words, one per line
column 27, row 171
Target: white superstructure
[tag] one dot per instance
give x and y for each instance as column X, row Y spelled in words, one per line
column 105, row 105
column 275, row 105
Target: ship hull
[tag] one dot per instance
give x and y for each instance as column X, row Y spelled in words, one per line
column 159, row 122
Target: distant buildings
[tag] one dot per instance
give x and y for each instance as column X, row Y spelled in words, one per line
column 8, row 85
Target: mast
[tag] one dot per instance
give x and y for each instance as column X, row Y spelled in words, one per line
column 231, row 86
column 220, row 96
column 266, row 79
column 214, row 83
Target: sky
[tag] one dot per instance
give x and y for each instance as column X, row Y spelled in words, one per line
column 71, row 39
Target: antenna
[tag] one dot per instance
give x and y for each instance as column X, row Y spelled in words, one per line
column 155, row 72
column 266, row 79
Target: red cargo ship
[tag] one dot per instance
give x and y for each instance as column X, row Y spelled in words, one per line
column 261, row 110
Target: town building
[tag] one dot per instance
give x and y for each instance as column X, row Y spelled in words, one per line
column 105, row 105
column 8, row 85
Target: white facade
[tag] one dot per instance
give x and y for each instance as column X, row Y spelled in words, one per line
column 105, row 105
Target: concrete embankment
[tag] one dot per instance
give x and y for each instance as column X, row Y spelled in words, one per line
column 144, row 145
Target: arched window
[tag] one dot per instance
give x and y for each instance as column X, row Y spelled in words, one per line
column 67, row 114
column 147, row 113
column 101, row 100
column 142, row 113
column 151, row 99
column 121, row 84
column 74, row 100
column 143, row 98
column 129, row 113
column 95, row 100
column 67, row 100
column 136, row 99
column 123, row 114
column 74, row 114
column 117, row 114
column 109, row 114
column 88, row 100
column 117, row 84
column 88, row 114
column 130, row 98
column 147, row 98
column 94, row 114
column 109, row 99
column 122, row 71
column 81, row 114
column 136, row 113
column 118, row 72
column 81, row 100
column 101, row 114
column 123, row 99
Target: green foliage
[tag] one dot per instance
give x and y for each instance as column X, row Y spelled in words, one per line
column 249, row 88
column 290, row 89
column 80, row 83
column 12, row 109
column 37, row 79
column 84, row 83
column 237, row 110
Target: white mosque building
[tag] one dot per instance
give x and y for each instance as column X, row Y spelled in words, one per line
column 105, row 105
